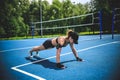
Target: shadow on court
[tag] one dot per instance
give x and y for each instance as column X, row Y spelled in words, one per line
column 46, row 63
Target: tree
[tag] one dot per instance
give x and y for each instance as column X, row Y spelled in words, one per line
column 16, row 15
column 11, row 14
column 106, row 7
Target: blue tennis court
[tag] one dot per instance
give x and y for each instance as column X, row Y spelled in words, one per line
column 101, row 60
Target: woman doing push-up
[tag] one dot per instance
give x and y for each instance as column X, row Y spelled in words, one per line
column 59, row 42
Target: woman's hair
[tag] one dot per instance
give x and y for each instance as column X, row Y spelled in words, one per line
column 69, row 33
column 73, row 35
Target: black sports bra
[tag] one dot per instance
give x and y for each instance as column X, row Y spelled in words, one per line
column 59, row 46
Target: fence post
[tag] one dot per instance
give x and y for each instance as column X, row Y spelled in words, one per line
column 100, row 21
column 113, row 20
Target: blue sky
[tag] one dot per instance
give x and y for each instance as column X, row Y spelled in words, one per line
column 80, row 1
column 76, row 1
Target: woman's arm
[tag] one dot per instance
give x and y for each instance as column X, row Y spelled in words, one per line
column 61, row 41
column 58, row 55
column 59, row 65
column 75, row 52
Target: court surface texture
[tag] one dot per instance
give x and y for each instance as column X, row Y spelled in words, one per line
column 101, row 60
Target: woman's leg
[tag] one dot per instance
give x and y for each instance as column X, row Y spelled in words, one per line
column 46, row 45
column 36, row 49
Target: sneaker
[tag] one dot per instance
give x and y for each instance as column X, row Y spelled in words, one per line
column 36, row 54
column 31, row 56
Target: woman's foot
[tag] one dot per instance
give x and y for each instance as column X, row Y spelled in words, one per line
column 37, row 54
column 30, row 56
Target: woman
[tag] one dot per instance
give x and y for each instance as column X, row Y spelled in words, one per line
column 71, row 38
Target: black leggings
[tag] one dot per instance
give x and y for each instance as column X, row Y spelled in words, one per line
column 48, row 44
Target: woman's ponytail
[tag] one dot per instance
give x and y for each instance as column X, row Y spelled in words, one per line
column 69, row 32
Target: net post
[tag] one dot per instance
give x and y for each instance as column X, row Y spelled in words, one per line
column 100, row 21
column 32, row 33
column 92, row 18
column 113, row 20
column 92, row 28
column 32, row 30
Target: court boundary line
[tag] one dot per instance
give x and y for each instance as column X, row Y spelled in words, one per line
column 46, row 38
column 29, row 74
column 40, row 78
column 34, row 46
column 16, row 49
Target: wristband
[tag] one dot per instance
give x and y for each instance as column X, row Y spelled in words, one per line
column 60, row 65
column 78, row 59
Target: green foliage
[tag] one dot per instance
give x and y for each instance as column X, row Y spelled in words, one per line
column 106, row 6
column 16, row 15
column 12, row 22
column 2, row 32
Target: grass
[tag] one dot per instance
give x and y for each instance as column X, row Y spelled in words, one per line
column 29, row 37
column 89, row 33
column 46, row 36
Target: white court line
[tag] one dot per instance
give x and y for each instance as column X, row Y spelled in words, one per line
column 40, row 78
column 24, row 72
column 31, row 47
column 16, row 49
